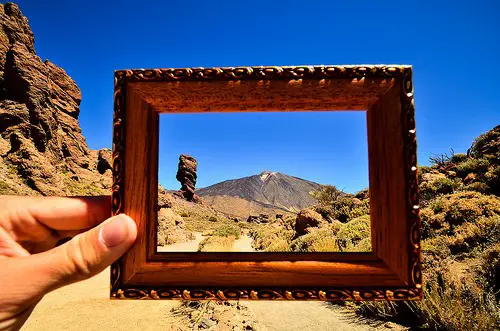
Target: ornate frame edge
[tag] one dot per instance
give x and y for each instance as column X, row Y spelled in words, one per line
column 402, row 73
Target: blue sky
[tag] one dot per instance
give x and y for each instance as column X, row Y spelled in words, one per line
column 453, row 46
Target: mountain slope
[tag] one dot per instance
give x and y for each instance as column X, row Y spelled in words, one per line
column 269, row 189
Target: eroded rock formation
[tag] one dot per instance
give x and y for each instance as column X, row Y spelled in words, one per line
column 186, row 175
column 42, row 148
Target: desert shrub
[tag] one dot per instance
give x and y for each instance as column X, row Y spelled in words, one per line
column 327, row 194
column 82, row 188
column 446, row 212
column 334, row 204
column 477, row 187
column 441, row 160
column 487, row 146
column 227, row 231
column 353, row 232
column 365, row 245
column 5, row 189
column 430, row 189
column 184, row 214
column 489, row 269
column 476, row 166
column 346, row 208
column 213, row 218
column 460, row 245
column 457, row 158
column 423, row 170
column 342, row 209
column 319, row 240
column 279, row 245
column 363, row 194
column 492, row 179
column 475, row 236
column 452, row 301
column 270, row 237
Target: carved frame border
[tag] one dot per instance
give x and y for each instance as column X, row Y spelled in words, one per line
column 403, row 76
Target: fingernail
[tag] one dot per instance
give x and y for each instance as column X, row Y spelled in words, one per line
column 114, row 232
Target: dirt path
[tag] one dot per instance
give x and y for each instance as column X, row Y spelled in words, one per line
column 301, row 315
column 187, row 246
column 244, row 244
column 86, row 306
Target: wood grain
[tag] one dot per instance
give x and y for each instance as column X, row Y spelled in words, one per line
column 262, row 95
column 141, row 176
column 389, row 223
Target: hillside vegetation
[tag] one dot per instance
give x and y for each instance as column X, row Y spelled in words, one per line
column 460, row 212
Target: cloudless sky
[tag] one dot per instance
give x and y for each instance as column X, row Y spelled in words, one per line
column 452, row 45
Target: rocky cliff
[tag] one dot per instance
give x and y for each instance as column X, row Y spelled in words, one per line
column 42, row 149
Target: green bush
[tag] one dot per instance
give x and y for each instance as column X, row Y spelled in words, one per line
column 476, row 166
column 270, row 238
column 430, row 189
column 487, row 146
column 319, row 240
column 489, row 269
column 446, row 212
column 363, row 194
column 475, row 236
column 279, row 245
column 492, row 179
column 477, row 187
column 364, row 245
column 450, row 303
column 337, row 205
column 226, row 231
column 457, row 158
column 353, row 232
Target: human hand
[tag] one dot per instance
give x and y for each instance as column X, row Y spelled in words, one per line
column 30, row 263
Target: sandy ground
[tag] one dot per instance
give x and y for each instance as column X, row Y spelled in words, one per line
column 86, row 306
column 244, row 244
column 188, row 246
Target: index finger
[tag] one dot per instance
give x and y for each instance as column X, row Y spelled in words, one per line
column 63, row 213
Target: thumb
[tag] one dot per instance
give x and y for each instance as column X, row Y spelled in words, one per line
column 84, row 256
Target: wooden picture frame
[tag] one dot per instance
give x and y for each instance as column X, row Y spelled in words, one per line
column 392, row 271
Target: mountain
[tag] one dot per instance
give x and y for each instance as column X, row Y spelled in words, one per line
column 42, row 148
column 267, row 190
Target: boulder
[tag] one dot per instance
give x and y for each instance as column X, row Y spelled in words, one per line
column 308, row 218
column 261, row 218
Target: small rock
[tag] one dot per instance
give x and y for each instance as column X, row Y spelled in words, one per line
column 207, row 323
column 389, row 325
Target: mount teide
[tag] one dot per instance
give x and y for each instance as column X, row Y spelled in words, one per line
column 273, row 191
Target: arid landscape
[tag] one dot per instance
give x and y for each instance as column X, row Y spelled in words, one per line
column 269, row 212
column 43, row 152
